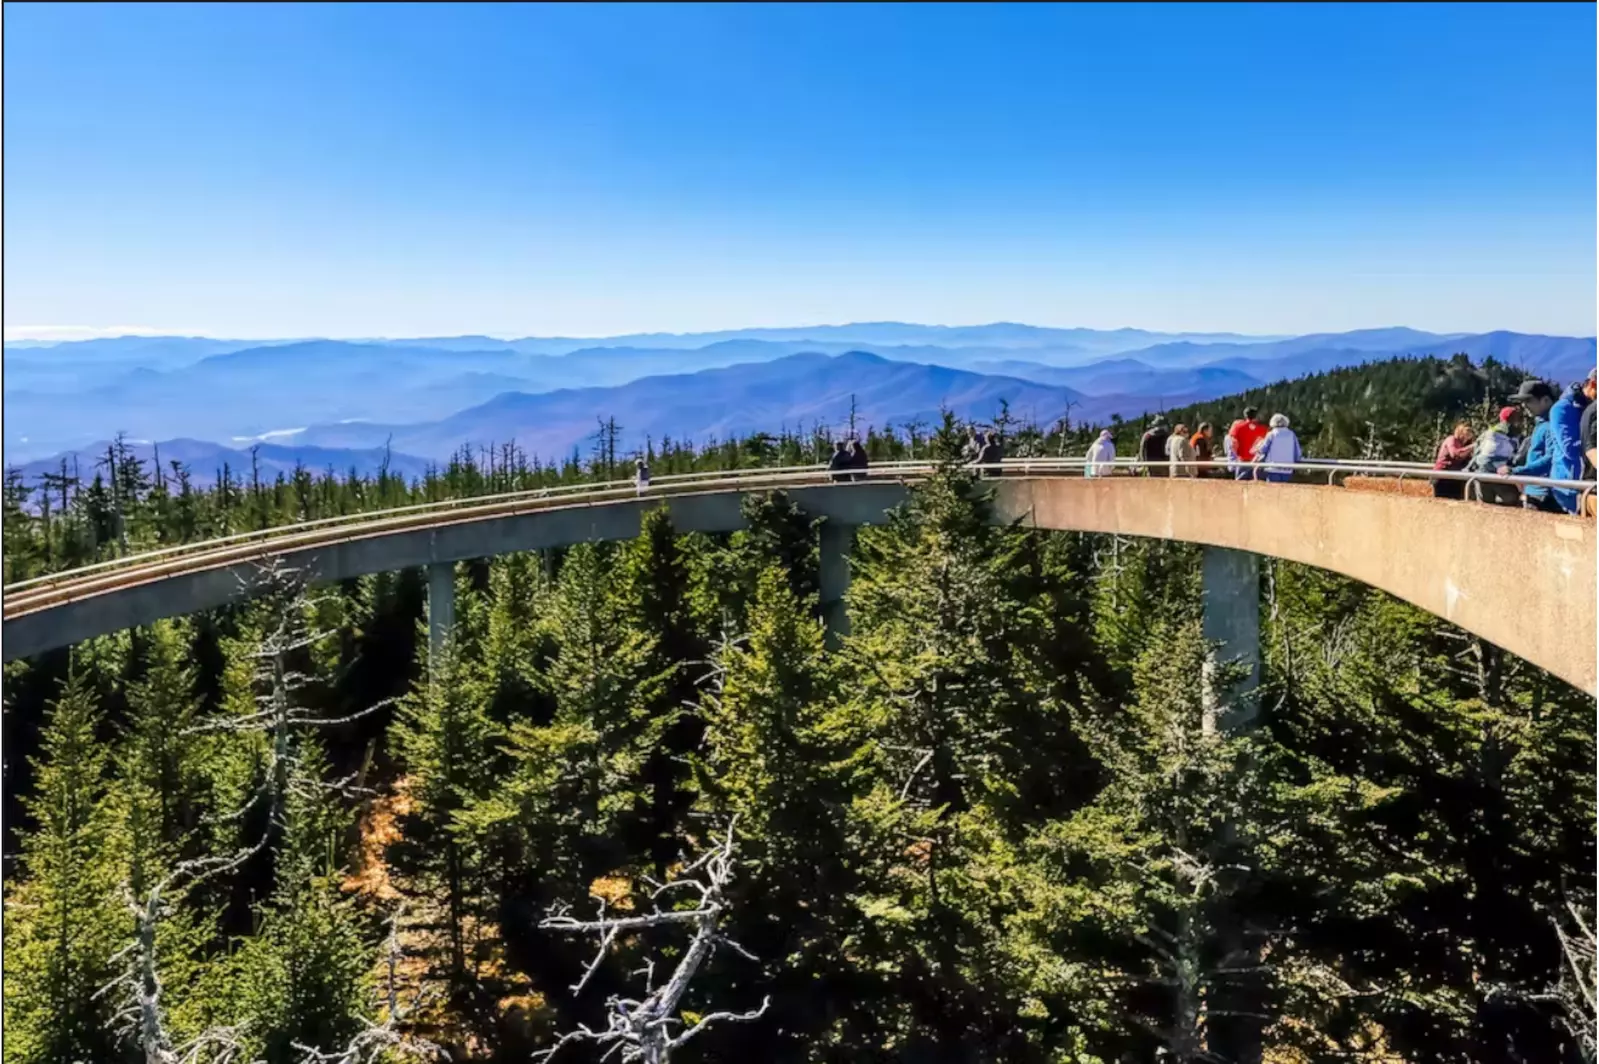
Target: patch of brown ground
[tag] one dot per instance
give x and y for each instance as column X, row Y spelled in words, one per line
column 1389, row 485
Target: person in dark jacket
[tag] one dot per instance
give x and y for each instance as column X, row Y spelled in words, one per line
column 1534, row 457
column 838, row 464
column 857, row 459
column 1565, row 430
column 1152, row 448
column 1202, row 448
column 992, row 453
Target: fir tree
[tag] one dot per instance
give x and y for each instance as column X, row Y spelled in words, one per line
column 64, row 921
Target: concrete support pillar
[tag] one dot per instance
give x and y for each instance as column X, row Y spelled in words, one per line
column 1231, row 588
column 837, row 542
column 441, row 607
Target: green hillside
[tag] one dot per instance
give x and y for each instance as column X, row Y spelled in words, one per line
column 992, row 823
column 1396, row 409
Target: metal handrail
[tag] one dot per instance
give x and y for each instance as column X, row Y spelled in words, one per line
column 324, row 530
column 437, row 505
column 73, row 583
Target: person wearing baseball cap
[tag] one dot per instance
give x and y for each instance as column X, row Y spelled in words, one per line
column 1534, row 458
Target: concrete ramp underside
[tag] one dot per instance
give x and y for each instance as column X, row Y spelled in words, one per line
column 1521, row 580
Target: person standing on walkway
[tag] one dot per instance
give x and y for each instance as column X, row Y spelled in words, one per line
column 1590, row 458
column 1202, row 448
column 857, row 459
column 1180, row 450
column 641, row 476
column 1454, row 453
column 1152, row 448
column 1246, row 435
column 1101, row 453
column 838, row 464
column 1534, row 457
column 1565, row 429
column 1495, row 448
column 992, row 454
column 1280, row 446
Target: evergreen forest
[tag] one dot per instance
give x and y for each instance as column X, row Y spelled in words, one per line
column 643, row 806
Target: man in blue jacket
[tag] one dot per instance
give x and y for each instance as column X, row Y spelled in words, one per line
column 1535, row 458
column 1565, row 428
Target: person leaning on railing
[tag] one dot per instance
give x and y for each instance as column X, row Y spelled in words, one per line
column 1152, row 446
column 1565, row 428
column 1244, row 439
column 1454, row 453
column 1180, row 451
column 1280, row 446
column 1590, row 458
column 1535, row 456
column 838, row 463
column 1495, row 448
column 992, row 454
column 1203, row 453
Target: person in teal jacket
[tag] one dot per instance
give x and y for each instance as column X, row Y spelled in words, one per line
column 1565, row 431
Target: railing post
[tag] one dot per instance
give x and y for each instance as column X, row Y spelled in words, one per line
column 441, row 609
column 837, row 542
column 1230, row 581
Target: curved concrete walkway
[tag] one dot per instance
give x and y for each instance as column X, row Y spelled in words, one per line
column 1521, row 580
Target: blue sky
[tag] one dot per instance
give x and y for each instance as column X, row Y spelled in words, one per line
column 280, row 170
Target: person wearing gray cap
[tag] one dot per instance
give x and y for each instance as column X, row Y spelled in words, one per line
column 1535, row 456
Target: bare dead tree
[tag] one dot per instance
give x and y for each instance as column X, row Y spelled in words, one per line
column 141, row 1015
column 1578, row 989
column 1575, row 992
column 384, row 1041
column 278, row 714
column 641, row 1029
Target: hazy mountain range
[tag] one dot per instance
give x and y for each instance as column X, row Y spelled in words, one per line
column 338, row 401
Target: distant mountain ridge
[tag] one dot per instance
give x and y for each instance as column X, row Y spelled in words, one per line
column 205, row 461
column 796, row 391
column 230, row 392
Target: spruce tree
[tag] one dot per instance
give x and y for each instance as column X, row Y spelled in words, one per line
column 655, row 583
column 447, row 743
column 303, row 977
column 65, row 919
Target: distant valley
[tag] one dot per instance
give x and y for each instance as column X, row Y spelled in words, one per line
column 339, row 402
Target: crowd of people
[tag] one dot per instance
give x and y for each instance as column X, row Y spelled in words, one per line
column 1559, row 447
column 1252, row 449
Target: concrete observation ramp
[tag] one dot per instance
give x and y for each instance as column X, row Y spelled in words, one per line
column 1521, row 580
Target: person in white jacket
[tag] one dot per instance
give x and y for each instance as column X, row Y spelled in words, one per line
column 1101, row 453
column 1280, row 447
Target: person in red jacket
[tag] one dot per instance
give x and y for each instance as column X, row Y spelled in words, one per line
column 1246, row 434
